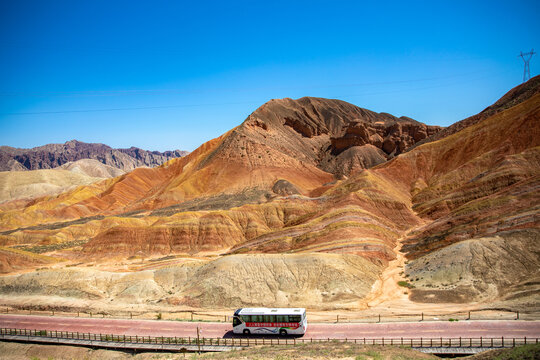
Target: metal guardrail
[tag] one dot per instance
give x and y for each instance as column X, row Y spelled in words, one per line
column 221, row 344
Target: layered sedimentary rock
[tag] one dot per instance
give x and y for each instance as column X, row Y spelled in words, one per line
column 323, row 176
column 478, row 190
column 285, row 139
column 12, row 259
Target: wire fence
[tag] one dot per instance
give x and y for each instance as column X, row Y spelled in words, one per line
column 199, row 316
column 440, row 342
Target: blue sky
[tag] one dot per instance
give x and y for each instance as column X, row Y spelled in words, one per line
column 163, row 75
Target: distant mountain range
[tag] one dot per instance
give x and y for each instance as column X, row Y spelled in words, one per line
column 54, row 155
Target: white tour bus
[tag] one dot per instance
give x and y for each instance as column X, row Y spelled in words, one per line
column 270, row 321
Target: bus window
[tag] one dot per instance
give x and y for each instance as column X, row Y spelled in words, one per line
column 272, row 318
column 295, row 318
column 257, row 318
column 282, row 318
column 236, row 321
column 246, row 318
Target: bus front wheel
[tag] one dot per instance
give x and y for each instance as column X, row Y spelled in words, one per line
column 246, row 332
column 283, row 332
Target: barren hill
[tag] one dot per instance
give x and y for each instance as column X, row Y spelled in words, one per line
column 322, row 176
column 27, row 185
column 30, row 184
column 307, row 142
column 53, row 155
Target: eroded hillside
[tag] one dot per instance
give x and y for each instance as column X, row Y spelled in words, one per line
column 322, row 181
column 317, row 281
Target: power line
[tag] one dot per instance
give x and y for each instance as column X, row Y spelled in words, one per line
column 251, row 88
column 229, row 103
column 124, row 109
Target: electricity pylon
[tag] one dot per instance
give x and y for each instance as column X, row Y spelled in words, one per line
column 526, row 58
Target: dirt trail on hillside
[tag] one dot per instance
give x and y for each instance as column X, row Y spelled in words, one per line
column 386, row 289
column 388, row 297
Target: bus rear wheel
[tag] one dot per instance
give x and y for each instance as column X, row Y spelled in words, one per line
column 283, row 332
column 246, row 332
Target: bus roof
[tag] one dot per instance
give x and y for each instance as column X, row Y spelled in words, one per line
column 270, row 311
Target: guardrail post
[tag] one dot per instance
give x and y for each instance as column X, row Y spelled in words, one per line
column 481, row 343
column 337, row 318
column 502, row 341
column 422, row 317
column 517, row 315
column 513, row 342
column 525, row 340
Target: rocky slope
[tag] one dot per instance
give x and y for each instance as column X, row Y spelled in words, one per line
column 323, row 176
column 54, row 155
column 308, row 142
column 478, row 191
column 315, row 281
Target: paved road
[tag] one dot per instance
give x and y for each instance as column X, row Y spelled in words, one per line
column 465, row 329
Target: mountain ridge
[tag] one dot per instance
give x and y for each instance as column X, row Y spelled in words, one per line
column 54, row 155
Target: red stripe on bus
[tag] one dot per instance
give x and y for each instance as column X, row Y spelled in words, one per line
column 263, row 324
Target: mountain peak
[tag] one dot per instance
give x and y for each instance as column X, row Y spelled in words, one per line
column 331, row 135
